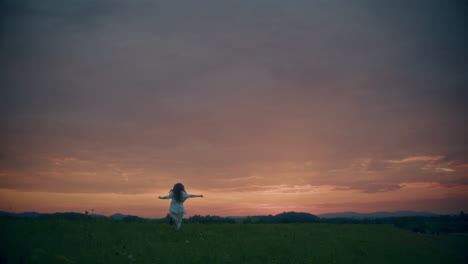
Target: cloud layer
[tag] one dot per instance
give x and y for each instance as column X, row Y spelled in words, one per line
column 254, row 97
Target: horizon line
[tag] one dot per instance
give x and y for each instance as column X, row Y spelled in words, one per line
column 231, row 216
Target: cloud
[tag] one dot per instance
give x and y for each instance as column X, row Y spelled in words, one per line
column 439, row 169
column 128, row 97
column 430, row 163
column 416, row 159
column 372, row 187
column 277, row 189
column 288, row 189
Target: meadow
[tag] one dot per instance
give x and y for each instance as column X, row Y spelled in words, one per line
column 107, row 241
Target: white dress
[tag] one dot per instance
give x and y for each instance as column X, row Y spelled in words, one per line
column 177, row 208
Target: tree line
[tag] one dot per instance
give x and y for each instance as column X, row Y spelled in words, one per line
column 421, row 224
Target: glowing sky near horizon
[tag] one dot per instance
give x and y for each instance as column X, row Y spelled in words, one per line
column 261, row 106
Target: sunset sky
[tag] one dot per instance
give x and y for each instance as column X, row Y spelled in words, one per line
column 262, row 106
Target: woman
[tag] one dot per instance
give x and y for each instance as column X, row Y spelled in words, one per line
column 178, row 196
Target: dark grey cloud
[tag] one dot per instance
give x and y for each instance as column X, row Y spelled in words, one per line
column 212, row 87
column 371, row 187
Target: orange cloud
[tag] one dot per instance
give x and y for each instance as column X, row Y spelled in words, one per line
column 416, row 159
column 438, row 169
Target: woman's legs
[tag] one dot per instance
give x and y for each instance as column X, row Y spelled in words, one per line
column 179, row 222
column 178, row 219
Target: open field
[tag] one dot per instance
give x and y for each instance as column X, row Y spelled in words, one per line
column 107, row 241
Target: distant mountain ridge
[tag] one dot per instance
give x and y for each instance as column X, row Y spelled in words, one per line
column 375, row 215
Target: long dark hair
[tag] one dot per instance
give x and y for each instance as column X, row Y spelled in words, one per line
column 177, row 191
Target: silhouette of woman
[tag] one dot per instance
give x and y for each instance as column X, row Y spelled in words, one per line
column 178, row 196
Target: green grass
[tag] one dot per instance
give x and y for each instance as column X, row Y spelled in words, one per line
column 105, row 241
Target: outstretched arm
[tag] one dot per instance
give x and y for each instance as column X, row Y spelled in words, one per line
column 193, row 195
column 163, row 197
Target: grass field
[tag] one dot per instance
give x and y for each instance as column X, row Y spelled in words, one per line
column 106, row 241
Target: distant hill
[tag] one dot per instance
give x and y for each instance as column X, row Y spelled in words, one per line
column 375, row 215
column 71, row 215
column 97, row 216
column 294, row 217
column 118, row 216
column 67, row 215
column 286, row 217
column 25, row 214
